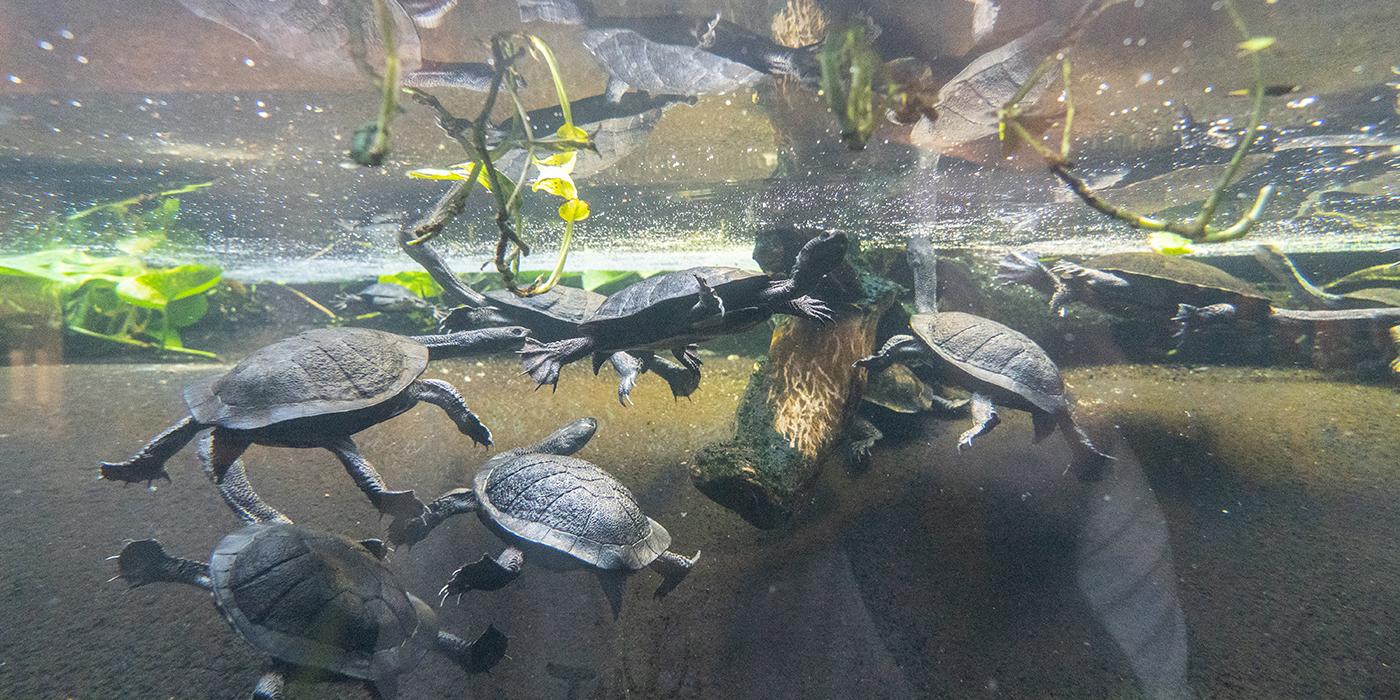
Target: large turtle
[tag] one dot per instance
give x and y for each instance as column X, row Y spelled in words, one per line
column 892, row 391
column 317, row 389
column 997, row 364
column 326, row 36
column 561, row 512
column 553, row 315
column 1132, row 283
column 314, row 602
column 677, row 309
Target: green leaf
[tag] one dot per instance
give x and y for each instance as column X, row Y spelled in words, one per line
column 155, row 289
column 1168, row 243
column 416, row 281
column 574, row 210
column 187, row 311
column 558, row 186
column 1256, row 44
column 140, row 245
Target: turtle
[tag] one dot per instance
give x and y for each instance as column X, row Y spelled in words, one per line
column 383, row 297
column 998, row 364
column 556, row 315
column 326, row 37
column 560, row 511
column 315, row 602
column 553, row 315
column 317, row 389
column 677, row 309
column 1131, row 283
column 675, row 54
column 896, row 390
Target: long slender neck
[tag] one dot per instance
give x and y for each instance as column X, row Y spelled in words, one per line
column 1302, row 291
column 453, row 288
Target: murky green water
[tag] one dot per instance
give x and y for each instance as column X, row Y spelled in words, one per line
column 1238, row 544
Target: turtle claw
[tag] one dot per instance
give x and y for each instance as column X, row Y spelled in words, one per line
column 812, row 309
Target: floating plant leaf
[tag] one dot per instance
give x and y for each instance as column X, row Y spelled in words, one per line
column 417, row 281
column 187, row 311
column 574, row 210
column 1168, row 243
column 1256, row 44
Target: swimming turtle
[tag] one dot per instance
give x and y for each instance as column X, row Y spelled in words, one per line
column 1132, row 283
column 325, row 36
column 998, row 364
column 556, row 315
column 317, row 389
column 677, row 309
column 383, row 297
column 314, row 602
column 675, row 54
column 558, row 510
column 895, row 389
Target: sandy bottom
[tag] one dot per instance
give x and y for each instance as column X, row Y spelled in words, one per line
column 1243, row 546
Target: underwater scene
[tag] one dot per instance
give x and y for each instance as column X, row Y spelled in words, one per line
column 699, row 349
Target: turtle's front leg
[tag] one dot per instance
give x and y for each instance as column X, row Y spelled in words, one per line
column 400, row 504
column 145, row 561
column 904, row 349
column 485, row 574
column 148, row 464
column 446, row 397
column 808, row 307
column 985, row 417
column 414, row 530
column 628, row 367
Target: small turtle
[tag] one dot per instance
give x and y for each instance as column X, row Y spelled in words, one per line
column 1131, row 283
column 562, row 512
column 997, row 364
column 386, row 298
column 677, row 309
column 314, row 602
column 895, row 389
column 317, row 389
column 326, row 37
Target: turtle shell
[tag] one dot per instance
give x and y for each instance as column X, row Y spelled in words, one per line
column 572, row 506
column 672, row 294
column 322, row 371
column 661, row 67
column 1164, row 281
column 319, row 600
column 559, row 304
column 995, row 355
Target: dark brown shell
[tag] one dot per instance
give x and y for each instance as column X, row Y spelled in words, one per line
column 675, row 292
column 995, row 354
column 328, row 370
column 319, row 600
column 563, row 304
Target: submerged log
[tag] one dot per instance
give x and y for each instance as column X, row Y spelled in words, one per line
column 800, row 400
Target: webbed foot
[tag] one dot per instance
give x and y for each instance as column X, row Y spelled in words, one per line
column 399, row 504
column 812, row 309
column 485, row 574
column 133, row 471
column 689, row 357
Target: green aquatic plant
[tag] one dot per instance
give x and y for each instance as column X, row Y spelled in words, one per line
column 858, row 84
column 553, row 173
column 118, row 298
column 1168, row 235
column 370, row 144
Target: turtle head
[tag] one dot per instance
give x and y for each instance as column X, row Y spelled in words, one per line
column 818, row 257
column 568, row 439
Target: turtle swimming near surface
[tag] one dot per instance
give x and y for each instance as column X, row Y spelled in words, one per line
column 317, row 389
column 558, row 511
column 677, row 309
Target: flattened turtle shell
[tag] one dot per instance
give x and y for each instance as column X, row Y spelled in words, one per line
column 573, row 506
column 319, row 600
column 1168, row 280
column 673, row 293
column 322, row 371
column 566, row 304
column 665, row 68
column 995, row 354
